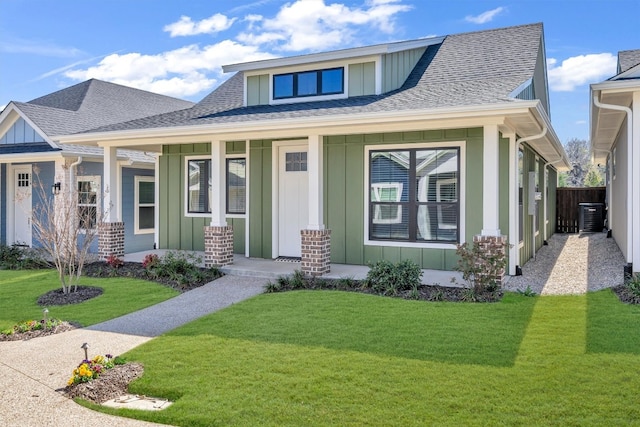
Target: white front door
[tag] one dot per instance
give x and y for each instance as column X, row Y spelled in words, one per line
column 293, row 198
column 22, row 206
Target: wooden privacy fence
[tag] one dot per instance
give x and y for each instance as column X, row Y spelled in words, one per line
column 568, row 201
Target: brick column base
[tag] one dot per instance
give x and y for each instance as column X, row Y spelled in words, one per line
column 316, row 252
column 110, row 239
column 218, row 246
column 493, row 245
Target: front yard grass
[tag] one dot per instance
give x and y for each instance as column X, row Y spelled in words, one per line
column 20, row 289
column 347, row 359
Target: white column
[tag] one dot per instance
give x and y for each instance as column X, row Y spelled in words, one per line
column 490, row 182
column 514, row 251
column 314, row 168
column 219, row 183
column 110, row 184
column 634, row 185
column 156, row 198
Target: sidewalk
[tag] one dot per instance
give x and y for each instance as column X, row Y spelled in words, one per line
column 31, row 371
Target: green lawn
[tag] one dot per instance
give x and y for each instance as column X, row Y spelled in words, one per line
column 346, row 359
column 19, row 291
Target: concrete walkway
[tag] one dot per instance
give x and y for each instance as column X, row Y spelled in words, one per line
column 32, row 371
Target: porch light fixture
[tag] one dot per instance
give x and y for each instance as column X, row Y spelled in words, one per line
column 85, row 347
column 55, row 188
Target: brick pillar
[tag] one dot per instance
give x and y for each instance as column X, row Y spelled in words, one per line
column 218, row 245
column 316, row 252
column 110, row 239
column 493, row 245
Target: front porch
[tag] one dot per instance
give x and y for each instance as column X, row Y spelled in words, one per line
column 270, row 269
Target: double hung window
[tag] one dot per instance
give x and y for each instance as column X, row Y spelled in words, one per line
column 88, row 190
column 145, row 207
column 414, row 195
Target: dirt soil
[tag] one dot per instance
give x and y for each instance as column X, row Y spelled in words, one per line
column 625, row 295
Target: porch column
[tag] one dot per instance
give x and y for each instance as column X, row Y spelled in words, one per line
column 514, row 224
column 218, row 236
column 315, row 240
column 490, row 182
column 110, row 227
column 634, row 232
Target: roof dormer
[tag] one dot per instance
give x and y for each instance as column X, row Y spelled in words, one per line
column 371, row 70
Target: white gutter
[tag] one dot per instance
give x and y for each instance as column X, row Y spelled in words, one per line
column 630, row 184
column 72, row 175
column 518, row 142
column 546, row 195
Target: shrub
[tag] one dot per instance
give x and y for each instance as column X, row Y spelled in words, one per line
column 388, row 278
column 150, row 261
column 17, row 258
column 31, row 325
column 633, row 284
column 178, row 266
column 114, row 261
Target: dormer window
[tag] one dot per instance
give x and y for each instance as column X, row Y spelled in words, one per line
column 308, row 83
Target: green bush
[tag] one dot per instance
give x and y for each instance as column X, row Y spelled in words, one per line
column 17, row 258
column 387, row 278
column 179, row 266
column 633, row 284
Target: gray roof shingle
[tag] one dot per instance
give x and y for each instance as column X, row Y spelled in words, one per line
column 466, row 69
column 628, row 59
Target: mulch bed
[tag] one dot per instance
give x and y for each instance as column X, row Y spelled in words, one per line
column 79, row 294
column 112, row 383
column 23, row 336
column 625, row 295
column 137, row 271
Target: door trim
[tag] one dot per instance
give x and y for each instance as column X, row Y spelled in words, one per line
column 11, row 204
column 275, row 190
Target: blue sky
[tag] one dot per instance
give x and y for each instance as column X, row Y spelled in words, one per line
column 178, row 47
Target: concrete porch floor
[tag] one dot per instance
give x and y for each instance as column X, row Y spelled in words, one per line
column 270, row 269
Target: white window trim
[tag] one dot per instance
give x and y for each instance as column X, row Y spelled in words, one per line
column 188, row 214
column 246, row 180
column 137, row 179
column 461, row 145
column 98, row 204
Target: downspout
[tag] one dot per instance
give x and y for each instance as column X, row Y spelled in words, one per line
column 518, row 142
column 72, row 175
column 608, row 191
column 630, row 184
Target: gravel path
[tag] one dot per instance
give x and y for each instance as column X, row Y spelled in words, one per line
column 32, row 371
column 572, row 264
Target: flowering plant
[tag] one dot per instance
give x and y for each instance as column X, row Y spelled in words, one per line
column 150, row 261
column 114, row 261
column 89, row 370
column 31, row 325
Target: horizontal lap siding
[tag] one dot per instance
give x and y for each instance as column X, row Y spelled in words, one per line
column 344, row 193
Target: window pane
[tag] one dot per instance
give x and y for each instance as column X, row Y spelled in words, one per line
column 332, row 81
column 199, row 186
column 283, row 86
column 236, row 186
column 87, row 216
column 146, row 217
column 307, row 83
column 146, row 192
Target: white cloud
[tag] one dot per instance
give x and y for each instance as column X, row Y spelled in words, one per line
column 580, row 70
column 484, row 17
column 181, row 72
column 581, row 122
column 38, row 47
column 315, row 25
column 186, row 27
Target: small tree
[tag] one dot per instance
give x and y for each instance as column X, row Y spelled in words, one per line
column 481, row 269
column 64, row 231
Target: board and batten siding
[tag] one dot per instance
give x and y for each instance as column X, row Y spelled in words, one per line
column 344, row 195
column 178, row 231
column 258, row 90
column 362, row 79
column 260, row 199
column 397, row 66
column 19, row 133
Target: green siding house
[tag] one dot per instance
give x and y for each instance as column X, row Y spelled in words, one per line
column 394, row 151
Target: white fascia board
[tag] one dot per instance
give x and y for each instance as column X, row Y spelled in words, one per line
column 14, row 108
column 631, row 73
column 520, row 88
column 612, row 86
column 44, row 156
column 333, row 55
column 156, row 135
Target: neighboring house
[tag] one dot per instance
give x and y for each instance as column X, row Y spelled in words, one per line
column 29, row 153
column 615, row 142
column 392, row 151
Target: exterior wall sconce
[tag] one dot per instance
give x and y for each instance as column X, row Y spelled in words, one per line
column 55, row 188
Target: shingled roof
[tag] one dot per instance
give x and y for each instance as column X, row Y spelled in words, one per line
column 628, row 59
column 95, row 103
column 477, row 68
